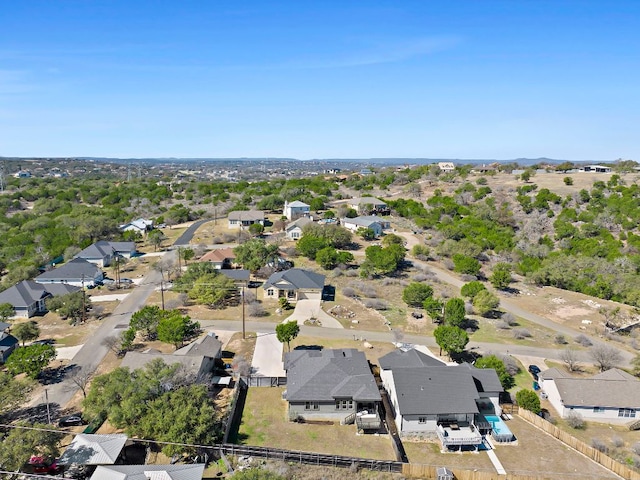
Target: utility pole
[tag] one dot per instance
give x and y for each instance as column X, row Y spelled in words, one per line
column 46, row 398
column 84, row 307
column 162, row 291
column 243, row 315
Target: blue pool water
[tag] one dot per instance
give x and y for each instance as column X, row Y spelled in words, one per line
column 500, row 430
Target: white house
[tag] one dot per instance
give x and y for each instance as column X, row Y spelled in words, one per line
column 102, row 252
column 612, row 396
column 375, row 223
column 368, row 205
column 295, row 210
column 294, row 229
column 446, row 166
column 245, row 218
column 140, row 225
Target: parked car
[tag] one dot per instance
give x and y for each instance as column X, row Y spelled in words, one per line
column 71, row 421
column 40, row 464
column 534, row 370
column 128, row 281
column 108, row 281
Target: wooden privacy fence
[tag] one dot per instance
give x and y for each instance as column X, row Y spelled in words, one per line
column 415, row 470
column 578, row 445
column 260, row 381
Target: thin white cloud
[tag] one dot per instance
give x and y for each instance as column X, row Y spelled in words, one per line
column 381, row 53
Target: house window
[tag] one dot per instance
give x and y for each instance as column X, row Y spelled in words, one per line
column 270, row 292
column 344, row 404
column 311, row 406
column 626, row 413
column 291, row 294
column 422, row 419
column 233, row 222
column 598, row 410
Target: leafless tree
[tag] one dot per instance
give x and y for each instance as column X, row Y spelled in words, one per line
column 570, row 358
column 605, row 356
column 80, row 378
column 241, row 367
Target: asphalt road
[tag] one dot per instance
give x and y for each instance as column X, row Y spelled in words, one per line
column 95, row 349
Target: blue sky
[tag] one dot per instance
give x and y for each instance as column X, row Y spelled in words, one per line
column 302, row 79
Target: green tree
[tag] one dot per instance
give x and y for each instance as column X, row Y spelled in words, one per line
column 187, row 254
column 485, row 302
column 471, row 289
column 256, row 473
column 454, row 312
column 525, row 176
column 393, row 239
column 451, row 339
column 26, row 331
column 501, row 276
column 214, row 290
column 434, row 308
column 309, row 245
column 13, row 392
column 528, row 399
column 491, row 361
column 156, row 238
column 175, row 328
column 465, row 264
column 345, row 258
column 256, row 229
column 185, row 415
column 416, row 293
column 316, row 203
column 255, row 254
column 366, row 233
column 30, row 360
column 17, row 446
column 71, row 306
column 287, row 331
column 327, row 258
column 146, row 321
column 6, row 311
column 568, row 181
column 382, row 260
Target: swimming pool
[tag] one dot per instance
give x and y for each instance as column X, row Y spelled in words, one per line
column 500, row 431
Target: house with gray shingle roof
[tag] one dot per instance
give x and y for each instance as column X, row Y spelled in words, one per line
column 431, row 398
column 293, row 231
column 149, row 472
column 368, row 205
column 612, row 396
column 103, row 252
column 294, row 284
column 28, row 297
column 335, row 385
column 296, row 209
column 7, row 342
column 375, row 223
column 140, row 225
column 245, row 218
column 78, row 272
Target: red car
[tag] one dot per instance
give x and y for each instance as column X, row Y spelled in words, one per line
column 40, row 464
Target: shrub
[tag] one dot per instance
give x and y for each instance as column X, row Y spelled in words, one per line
column 256, row 309
column 369, row 292
column 636, row 448
column 421, row 252
column 528, row 399
column 510, row 364
column 420, row 277
column 583, row 340
column 575, row 420
column 617, row 441
column 599, row 445
column 560, row 340
column 376, row 304
column 465, row 264
column 349, row 292
column 389, row 281
column 502, row 325
column 521, row 333
column 509, row 319
column 472, row 288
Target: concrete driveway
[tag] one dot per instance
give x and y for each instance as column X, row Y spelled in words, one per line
column 307, row 309
column 267, row 356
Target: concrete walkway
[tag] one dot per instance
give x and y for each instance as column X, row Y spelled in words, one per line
column 307, row 309
column 267, row 356
column 109, row 298
column 496, row 463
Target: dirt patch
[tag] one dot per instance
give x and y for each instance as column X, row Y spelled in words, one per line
column 567, row 312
